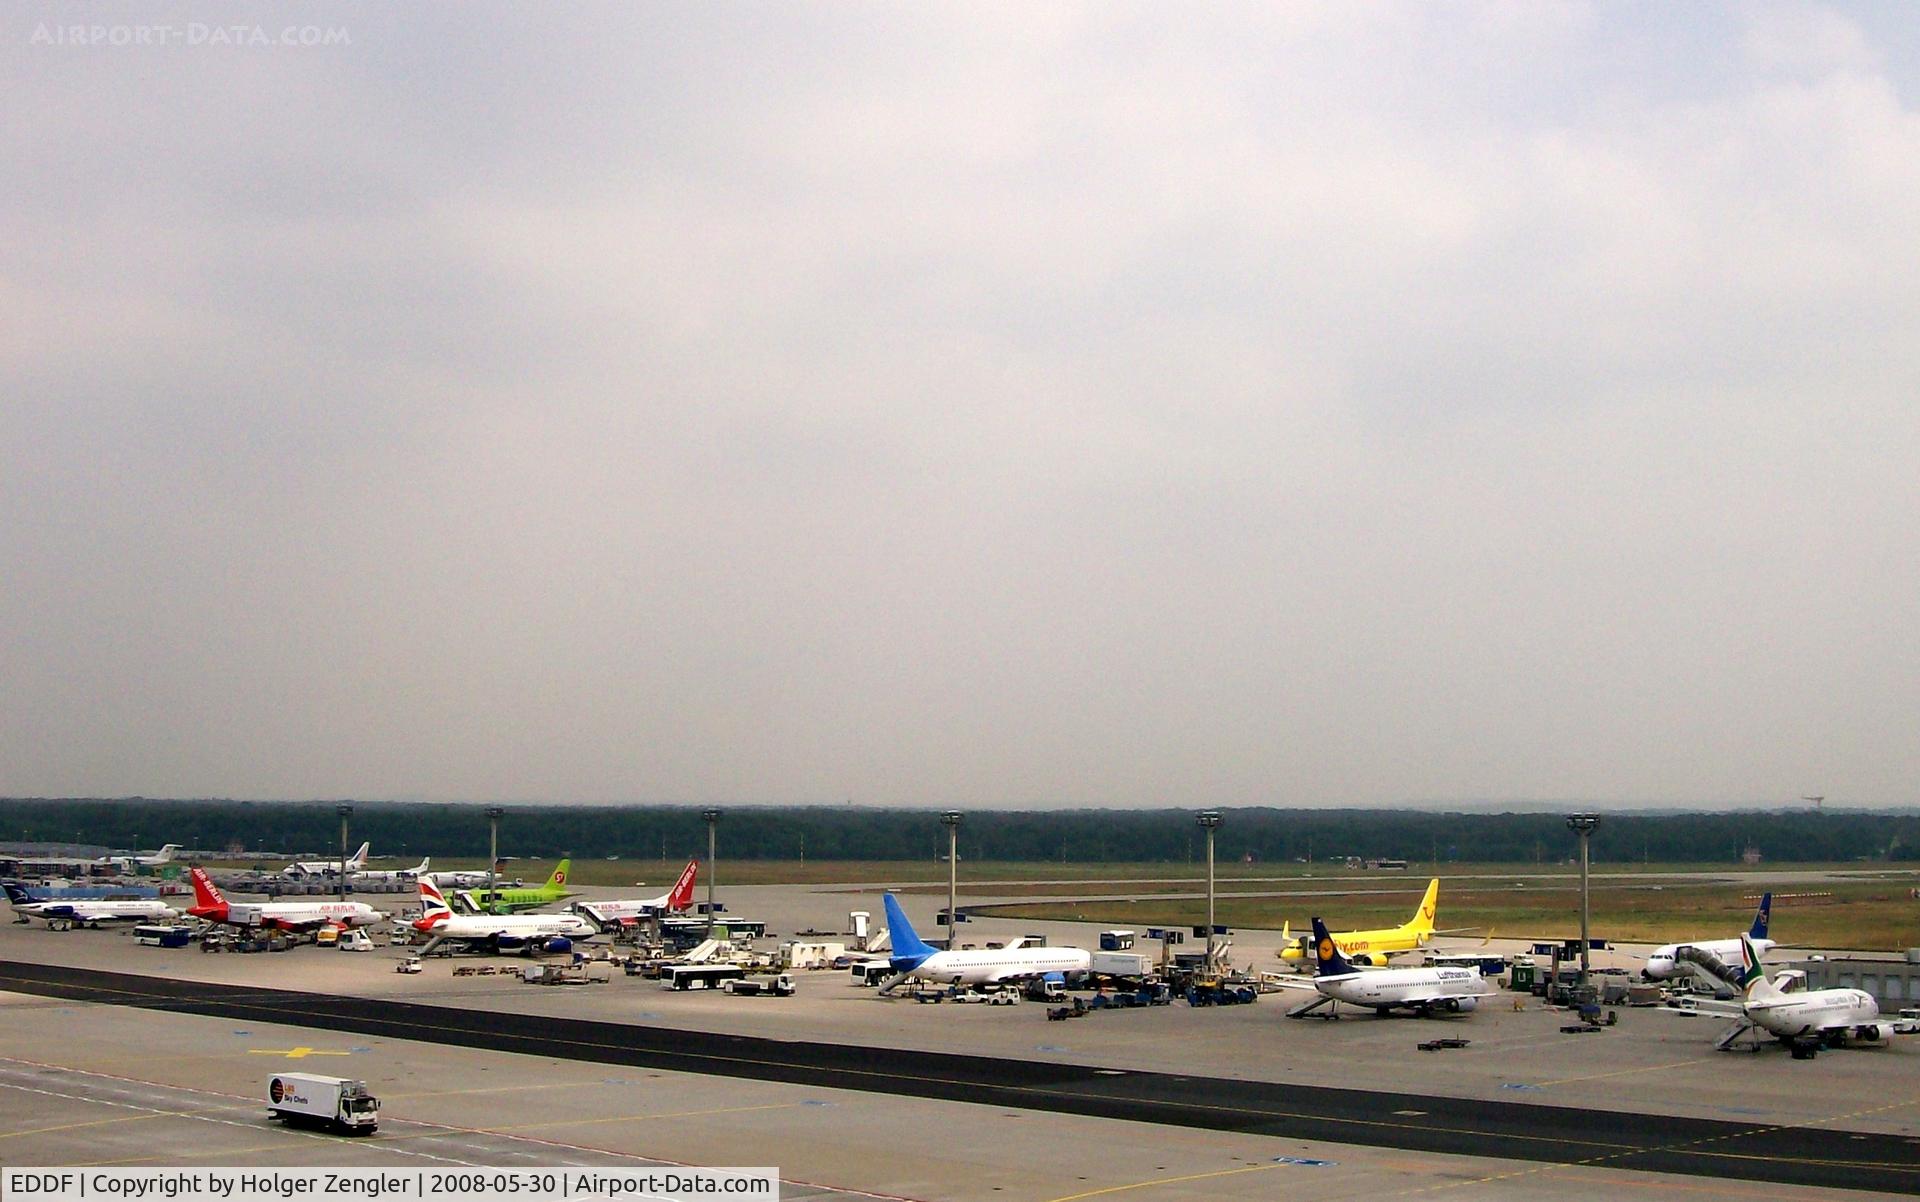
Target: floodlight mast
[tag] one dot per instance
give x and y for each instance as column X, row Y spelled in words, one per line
column 1210, row 822
column 1582, row 825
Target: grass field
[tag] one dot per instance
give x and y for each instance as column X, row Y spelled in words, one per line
column 1867, row 909
column 1872, row 915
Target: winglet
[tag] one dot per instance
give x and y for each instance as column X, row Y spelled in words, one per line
column 1762, row 917
column 1328, row 962
column 909, row 951
column 682, row 895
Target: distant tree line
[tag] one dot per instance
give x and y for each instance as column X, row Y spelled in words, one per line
column 1066, row 836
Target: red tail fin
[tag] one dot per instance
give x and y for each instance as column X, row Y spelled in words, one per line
column 207, row 900
column 682, row 895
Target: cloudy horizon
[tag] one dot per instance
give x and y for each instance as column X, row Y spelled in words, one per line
column 1080, row 405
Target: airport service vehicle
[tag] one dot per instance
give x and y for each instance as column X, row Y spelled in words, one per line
column 511, row 900
column 162, row 936
column 307, row 868
column 527, row 933
column 61, row 914
column 914, row 960
column 1662, row 964
column 334, row 1102
column 628, row 910
column 1373, row 947
column 1802, row 1019
column 700, row 976
column 780, row 986
column 297, row 917
column 1425, row 991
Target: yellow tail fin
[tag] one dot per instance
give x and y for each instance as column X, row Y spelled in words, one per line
column 1422, row 921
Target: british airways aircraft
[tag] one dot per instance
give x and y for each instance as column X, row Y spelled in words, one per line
column 913, row 959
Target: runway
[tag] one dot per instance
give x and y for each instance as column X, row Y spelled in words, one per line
column 1792, row 1155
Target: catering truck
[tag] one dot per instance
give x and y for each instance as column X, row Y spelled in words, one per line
column 333, row 1102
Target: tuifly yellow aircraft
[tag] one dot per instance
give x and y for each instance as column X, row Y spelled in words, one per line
column 1372, row 947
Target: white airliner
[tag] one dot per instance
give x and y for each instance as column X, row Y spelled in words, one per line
column 1425, row 991
column 395, row 874
column 1821, row 1015
column 208, row 903
column 355, row 863
column 136, row 860
column 464, row 879
column 1662, row 964
column 627, row 909
column 85, row 912
column 913, row 959
column 496, row 932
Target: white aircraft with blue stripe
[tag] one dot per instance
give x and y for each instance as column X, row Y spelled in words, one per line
column 1662, row 964
column 915, row 960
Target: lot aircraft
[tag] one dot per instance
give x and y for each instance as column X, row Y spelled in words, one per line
column 1373, row 947
column 304, row 868
column 209, row 904
column 626, row 910
column 1661, row 965
column 84, row 912
column 913, row 959
column 508, row 901
column 496, row 932
column 1795, row 1017
column 1425, row 991
column 128, row 863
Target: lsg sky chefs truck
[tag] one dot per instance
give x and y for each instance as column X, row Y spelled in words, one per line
column 341, row 1105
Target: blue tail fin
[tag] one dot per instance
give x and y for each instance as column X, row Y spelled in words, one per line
column 908, row 949
column 1327, row 960
column 16, row 893
column 1761, row 919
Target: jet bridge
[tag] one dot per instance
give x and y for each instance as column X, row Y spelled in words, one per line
column 1707, row 964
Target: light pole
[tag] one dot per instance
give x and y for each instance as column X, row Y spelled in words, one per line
column 951, row 820
column 1582, row 825
column 494, row 815
column 1210, row 822
column 712, row 818
column 345, row 812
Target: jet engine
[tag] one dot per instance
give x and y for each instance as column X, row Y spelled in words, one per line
column 1460, row 1005
column 558, row 945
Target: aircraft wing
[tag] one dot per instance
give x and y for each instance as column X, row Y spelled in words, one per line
column 1300, row 983
column 1713, row 1007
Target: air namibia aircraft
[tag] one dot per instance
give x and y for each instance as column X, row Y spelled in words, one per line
column 1373, row 947
column 508, row 901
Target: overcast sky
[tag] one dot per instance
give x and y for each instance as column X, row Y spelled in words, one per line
column 1021, row 405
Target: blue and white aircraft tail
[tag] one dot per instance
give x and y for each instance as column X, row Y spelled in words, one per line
column 1664, row 962
column 909, row 950
column 914, row 958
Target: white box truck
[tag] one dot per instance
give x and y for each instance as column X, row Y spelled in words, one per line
column 1121, row 964
column 345, row 1106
